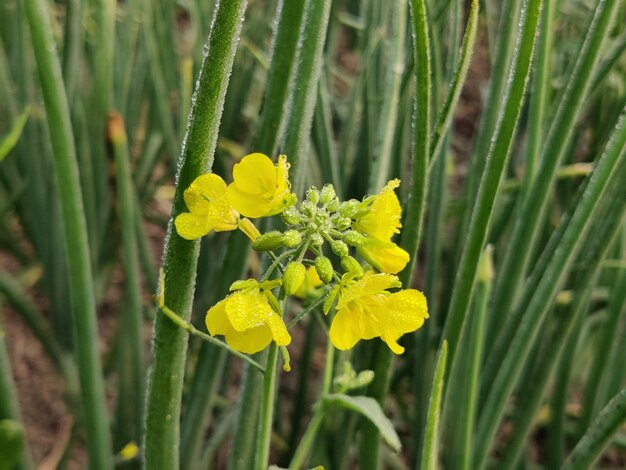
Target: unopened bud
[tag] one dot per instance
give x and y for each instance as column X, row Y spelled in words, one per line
column 333, row 205
column 268, row 241
column 316, row 239
column 343, row 223
column 327, row 194
column 290, row 216
column 354, row 238
column 293, row 277
column 292, row 238
column 339, row 248
column 324, row 269
column 313, row 195
column 351, row 265
column 349, row 208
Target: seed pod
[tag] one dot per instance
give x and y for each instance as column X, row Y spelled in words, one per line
column 324, row 269
column 268, row 241
column 293, row 277
column 339, row 248
column 292, row 238
column 351, row 265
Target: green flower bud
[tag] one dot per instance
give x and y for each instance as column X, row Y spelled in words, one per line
column 348, row 208
column 324, row 269
column 333, row 205
column 293, row 277
column 343, row 223
column 327, row 194
column 268, row 241
column 290, row 216
column 292, row 238
column 313, row 195
column 351, row 265
column 354, row 238
column 339, row 248
column 316, row 239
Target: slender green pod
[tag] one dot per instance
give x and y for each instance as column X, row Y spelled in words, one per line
column 180, row 256
column 77, row 250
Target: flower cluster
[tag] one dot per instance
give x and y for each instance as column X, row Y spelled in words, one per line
column 320, row 233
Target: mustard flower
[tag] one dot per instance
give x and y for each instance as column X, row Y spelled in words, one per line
column 209, row 208
column 380, row 223
column 366, row 310
column 259, row 187
column 247, row 319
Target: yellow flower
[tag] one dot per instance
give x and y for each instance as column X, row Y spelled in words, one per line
column 259, row 187
column 380, row 223
column 311, row 282
column 247, row 320
column 209, row 208
column 366, row 310
column 385, row 256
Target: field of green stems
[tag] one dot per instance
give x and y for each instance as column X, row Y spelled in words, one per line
column 312, row 234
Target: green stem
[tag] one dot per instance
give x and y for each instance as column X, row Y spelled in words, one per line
column 131, row 371
column 189, row 328
column 267, row 409
column 77, row 250
column 165, row 383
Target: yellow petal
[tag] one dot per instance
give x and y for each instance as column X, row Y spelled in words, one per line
column 371, row 283
column 282, row 174
column 384, row 256
column 393, row 344
column 383, row 218
column 255, row 174
column 247, row 309
column 248, row 205
column 203, row 190
column 250, row 341
column 217, row 322
column 191, row 226
column 278, row 329
column 407, row 310
column 342, row 334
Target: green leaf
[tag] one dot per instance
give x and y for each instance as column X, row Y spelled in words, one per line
column 369, row 408
column 598, row 435
column 430, row 448
column 10, row 140
column 11, row 443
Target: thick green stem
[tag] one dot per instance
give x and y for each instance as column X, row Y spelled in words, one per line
column 180, row 258
column 77, row 250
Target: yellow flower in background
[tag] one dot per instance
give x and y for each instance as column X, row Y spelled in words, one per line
column 366, row 310
column 260, row 188
column 209, row 208
column 311, row 282
column 380, row 223
column 247, row 320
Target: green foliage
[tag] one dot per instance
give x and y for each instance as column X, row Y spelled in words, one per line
column 504, row 122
